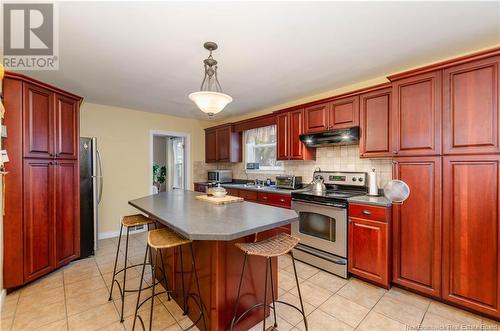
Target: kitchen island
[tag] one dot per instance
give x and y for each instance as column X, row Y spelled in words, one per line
column 215, row 229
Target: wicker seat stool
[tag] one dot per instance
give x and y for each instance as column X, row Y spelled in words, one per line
column 128, row 222
column 278, row 245
column 162, row 239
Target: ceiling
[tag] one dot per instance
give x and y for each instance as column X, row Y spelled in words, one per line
column 148, row 56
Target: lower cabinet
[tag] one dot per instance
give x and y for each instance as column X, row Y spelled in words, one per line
column 369, row 243
column 416, row 226
column 51, row 215
column 471, row 232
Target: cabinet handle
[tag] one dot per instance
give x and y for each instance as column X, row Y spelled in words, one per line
column 282, row 200
column 394, row 152
column 264, row 197
column 366, row 212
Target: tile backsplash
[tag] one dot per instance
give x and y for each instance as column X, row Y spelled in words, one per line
column 344, row 158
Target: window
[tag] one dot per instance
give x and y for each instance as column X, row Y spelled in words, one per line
column 260, row 147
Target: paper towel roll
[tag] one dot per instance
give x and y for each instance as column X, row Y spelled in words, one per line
column 372, row 183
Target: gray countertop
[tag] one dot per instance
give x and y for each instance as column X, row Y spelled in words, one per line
column 367, row 200
column 199, row 220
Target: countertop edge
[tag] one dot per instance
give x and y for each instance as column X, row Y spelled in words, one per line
column 380, row 201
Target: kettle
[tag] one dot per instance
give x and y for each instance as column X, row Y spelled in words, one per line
column 318, row 184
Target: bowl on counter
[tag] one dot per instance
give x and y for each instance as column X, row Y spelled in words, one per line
column 217, row 192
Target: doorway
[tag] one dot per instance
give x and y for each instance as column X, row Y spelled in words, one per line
column 169, row 161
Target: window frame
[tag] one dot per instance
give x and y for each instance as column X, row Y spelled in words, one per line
column 273, row 170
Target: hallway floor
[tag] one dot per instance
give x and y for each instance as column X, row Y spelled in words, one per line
column 76, row 298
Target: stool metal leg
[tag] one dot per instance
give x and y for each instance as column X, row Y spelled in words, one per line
column 140, row 287
column 202, row 308
column 265, row 298
column 272, row 292
column 298, row 290
column 153, row 269
column 239, row 290
column 116, row 261
column 122, row 293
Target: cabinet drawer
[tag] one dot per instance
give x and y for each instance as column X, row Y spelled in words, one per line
column 200, row 188
column 279, row 200
column 368, row 212
column 248, row 195
column 232, row 191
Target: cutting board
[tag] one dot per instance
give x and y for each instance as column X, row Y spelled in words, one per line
column 219, row 201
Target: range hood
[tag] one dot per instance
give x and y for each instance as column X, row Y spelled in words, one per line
column 348, row 136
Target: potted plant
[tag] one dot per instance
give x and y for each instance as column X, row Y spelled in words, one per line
column 159, row 175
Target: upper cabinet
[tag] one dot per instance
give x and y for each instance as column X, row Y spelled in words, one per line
column 375, row 123
column 416, row 115
column 222, row 144
column 344, row 113
column 50, row 124
column 38, row 117
column 289, row 126
column 337, row 114
column 470, row 107
column 316, row 118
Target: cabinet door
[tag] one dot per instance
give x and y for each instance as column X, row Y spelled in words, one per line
column 417, row 226
column 344, row 113
column 210, row 146
column 38, row 218
column 368, row 250
column 67, row 124
column 67, row 211
column 38, row 113
column 471, row 110
column 296, row 151
column 471, row 202
column 416, row 115
column 223, row 144
column 282, row 136
column 375, row 122
column 316, row 118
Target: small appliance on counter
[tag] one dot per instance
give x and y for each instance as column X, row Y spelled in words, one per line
column 372, row 184
column 289, row 182
column 220, row 176
column 252, row 166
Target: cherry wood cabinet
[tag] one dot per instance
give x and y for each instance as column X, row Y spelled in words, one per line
column 289, row 126
column 369, row 243
column 316, row 118
column 337, row 114
column 470, row 107
column 375, row 124
column 222, row 144
column 42, row 206
column 67, row 127
column 416, row 115
column 471, row 232
column 38, row 117
column 67, row 210
column 344, row 113
column 417, row 226
column 39, row 217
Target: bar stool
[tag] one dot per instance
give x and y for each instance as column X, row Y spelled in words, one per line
column 127, row 222
column 278, row 245
column 161, row 239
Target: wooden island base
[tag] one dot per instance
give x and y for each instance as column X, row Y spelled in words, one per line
column 219, row 264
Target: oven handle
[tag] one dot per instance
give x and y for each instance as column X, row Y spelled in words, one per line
column 327, row 204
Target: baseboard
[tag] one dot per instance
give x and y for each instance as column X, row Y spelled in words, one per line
column 113, row 234
column 3, row 295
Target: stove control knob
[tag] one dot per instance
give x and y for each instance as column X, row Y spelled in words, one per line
column 360, row 179
column 353, row 179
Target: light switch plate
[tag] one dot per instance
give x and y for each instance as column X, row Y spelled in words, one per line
column 4, row 131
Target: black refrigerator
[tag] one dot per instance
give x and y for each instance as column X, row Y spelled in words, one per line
column 91, row 184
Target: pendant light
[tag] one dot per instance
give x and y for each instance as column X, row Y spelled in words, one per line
column 210, row 99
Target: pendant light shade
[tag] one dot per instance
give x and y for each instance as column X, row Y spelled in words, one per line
column 210, row 99
column 210, row 102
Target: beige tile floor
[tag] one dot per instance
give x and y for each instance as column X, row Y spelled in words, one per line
column 76, row 298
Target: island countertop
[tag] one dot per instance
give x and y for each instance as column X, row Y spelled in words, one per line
column 199, row 220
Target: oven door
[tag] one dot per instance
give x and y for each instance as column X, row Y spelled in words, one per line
column 321, row 227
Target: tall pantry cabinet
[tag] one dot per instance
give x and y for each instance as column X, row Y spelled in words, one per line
column 41, row 221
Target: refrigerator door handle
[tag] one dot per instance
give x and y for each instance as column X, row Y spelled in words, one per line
column 101, row 181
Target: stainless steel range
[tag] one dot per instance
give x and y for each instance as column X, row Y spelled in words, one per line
column 322, row 226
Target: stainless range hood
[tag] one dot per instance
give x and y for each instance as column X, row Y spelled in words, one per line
column 348, row 136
